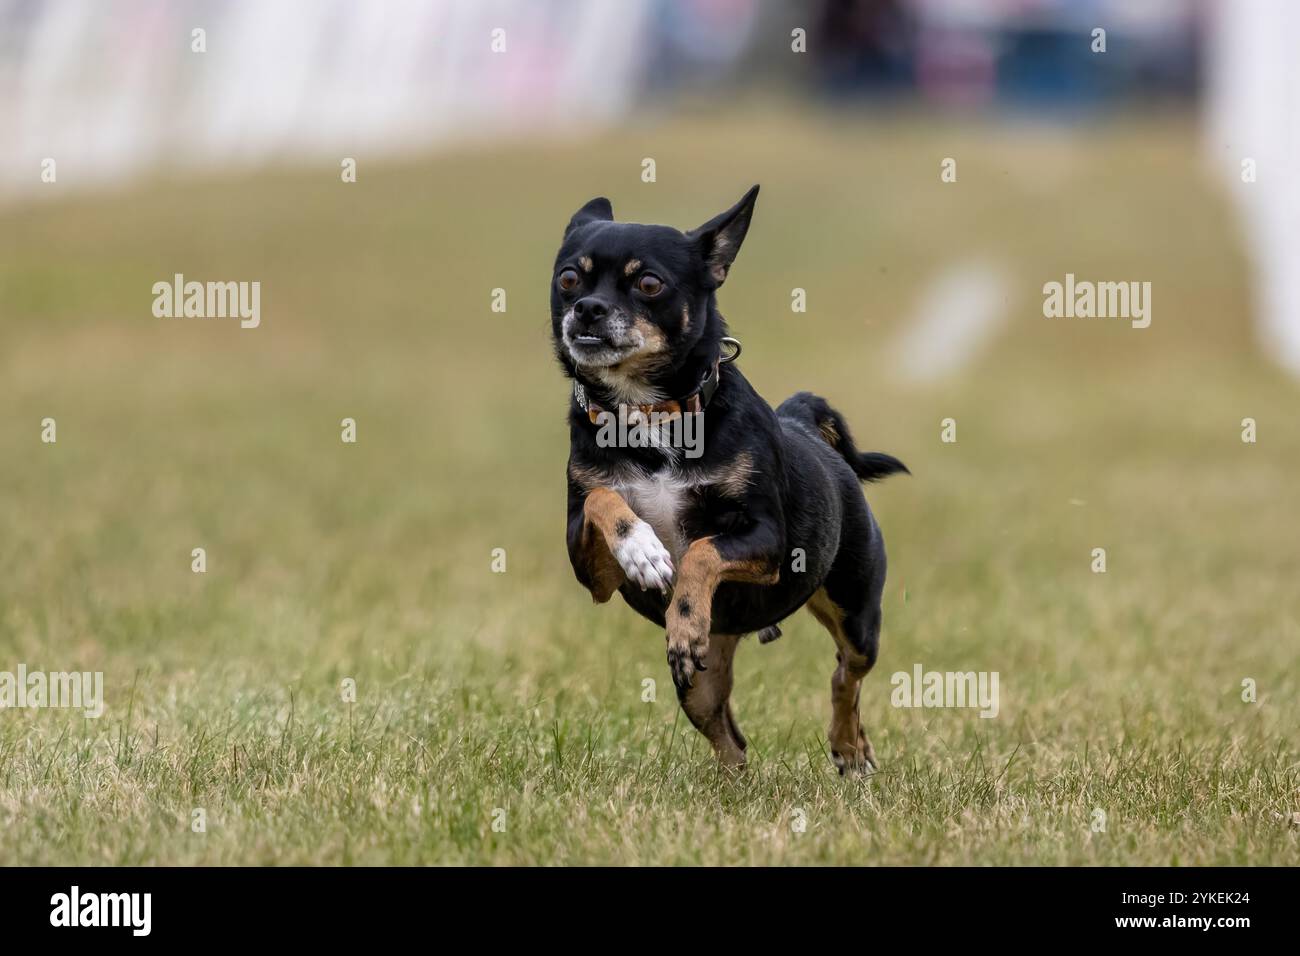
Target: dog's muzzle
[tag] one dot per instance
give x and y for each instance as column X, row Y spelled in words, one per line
column 610, row 341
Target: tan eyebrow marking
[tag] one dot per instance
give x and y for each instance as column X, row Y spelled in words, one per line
column 585, row 262
column 632, row 266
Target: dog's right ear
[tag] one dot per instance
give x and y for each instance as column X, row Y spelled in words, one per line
column 598, row 210
column 719, row 239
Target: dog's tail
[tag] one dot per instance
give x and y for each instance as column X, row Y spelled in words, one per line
column 815, row 411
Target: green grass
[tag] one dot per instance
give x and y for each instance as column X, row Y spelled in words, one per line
column 478, row 691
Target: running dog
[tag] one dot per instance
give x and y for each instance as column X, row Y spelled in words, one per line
column 766, row 518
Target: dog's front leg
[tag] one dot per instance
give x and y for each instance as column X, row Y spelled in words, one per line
column 609, row 544
column 751, row 557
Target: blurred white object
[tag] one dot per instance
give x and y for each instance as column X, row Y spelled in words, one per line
column 959, row 312
column 108, row 90
column 1253, row 113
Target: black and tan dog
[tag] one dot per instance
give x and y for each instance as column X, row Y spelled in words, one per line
column 767, row 519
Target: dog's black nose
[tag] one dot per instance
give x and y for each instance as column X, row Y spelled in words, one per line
column 591, row 309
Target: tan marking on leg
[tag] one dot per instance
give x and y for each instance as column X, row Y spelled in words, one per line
column 850, row 748
column 830, row 433
column 605, row 514
column 686, row 317
column 690, row 613
column 826, row 611
column 708, row 703
column 601, row 569
column 586, row 263
column 606, row 509
column 631, row 267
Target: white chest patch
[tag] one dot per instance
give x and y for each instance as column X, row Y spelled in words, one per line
column 657, row 500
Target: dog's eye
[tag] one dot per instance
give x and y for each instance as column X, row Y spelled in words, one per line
column 649, row 284
column 568, row 280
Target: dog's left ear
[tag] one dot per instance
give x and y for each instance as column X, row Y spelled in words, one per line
column 597, row 210
column 721, row 236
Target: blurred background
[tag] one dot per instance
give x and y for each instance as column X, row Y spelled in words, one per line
column 1160, row 150
column 111, row 88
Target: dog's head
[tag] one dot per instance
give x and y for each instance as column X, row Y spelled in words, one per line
column 632, row 305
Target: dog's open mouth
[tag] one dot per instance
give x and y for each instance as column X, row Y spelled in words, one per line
column 602, row 346
column 596, row 351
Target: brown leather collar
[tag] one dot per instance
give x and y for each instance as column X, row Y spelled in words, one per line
column 689, row 404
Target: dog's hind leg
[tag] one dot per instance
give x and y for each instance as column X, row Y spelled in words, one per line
column 857, row 639
column 707, row 702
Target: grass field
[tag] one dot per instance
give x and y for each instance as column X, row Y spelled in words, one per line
column 479, row 691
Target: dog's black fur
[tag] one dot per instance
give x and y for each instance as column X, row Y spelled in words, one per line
column 786, row 480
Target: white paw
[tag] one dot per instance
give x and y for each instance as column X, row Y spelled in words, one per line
column 643, row 558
